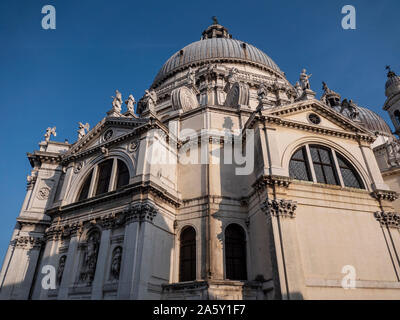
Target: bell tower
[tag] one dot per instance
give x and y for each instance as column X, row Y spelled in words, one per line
column 392, row 104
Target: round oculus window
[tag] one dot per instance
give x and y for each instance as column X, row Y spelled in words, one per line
column 108, row 135
column 315, row 119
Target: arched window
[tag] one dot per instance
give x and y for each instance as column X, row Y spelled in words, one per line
column 235, row 253
column 122, row 175
column 113, row 171
column 324, row 166
column 298, row 166
column 104, row 174
column 350, row 176
column 84, row 194
column 187, row 256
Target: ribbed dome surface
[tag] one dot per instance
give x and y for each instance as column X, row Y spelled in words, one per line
column 369, row 120
column 214, row 50
column 372, row 121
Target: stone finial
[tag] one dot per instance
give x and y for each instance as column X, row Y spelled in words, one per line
column 49, row 132
column 83, row 129
column 215, row 20
column 390, row 72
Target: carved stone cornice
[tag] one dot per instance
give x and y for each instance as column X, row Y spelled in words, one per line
column 39, row 157
column 354, row 132
column 57, row 232
column 264, row 181
column 279, row 207
column 140, row 212
column 28, row 242
column 385, row 195
column 112, row 221
column 388, row 219
column 135, row 212
column 142, row 188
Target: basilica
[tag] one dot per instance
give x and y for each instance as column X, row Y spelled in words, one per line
column 224, row 181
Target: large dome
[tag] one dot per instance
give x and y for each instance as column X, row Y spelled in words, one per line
column 215, row 46
column 369, row 120
column 372, row 121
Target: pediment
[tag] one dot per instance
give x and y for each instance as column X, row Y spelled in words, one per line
column 330, row 119
column 108, row 130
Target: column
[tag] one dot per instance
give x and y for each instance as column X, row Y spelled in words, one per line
column 97, row 285
column 128, row 259
column 69, row 268
column 39, row 292
column 143, row 261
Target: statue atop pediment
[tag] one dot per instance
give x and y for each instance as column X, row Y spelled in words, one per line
column 49, row 132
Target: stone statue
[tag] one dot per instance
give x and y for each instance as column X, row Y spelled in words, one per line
column 150, row 99
column 262, row 92
column 90, row 259
column 83, row 129
column 117, row 102
column 215, row 20
column 116, row 263
column 232, row 76
column 49, row 132
column 60, row 269
column 304, row 80
column 351, row 108
column 344, row 105
column 130, row 104
column 191, row 79
column 324, row 87
column 298, row 89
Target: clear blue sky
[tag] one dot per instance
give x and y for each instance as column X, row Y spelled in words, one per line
column 59, row 77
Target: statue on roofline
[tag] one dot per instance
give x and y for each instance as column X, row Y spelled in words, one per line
column 49, row 132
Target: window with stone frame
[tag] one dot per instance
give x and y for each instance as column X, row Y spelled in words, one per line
column 84, row 193
column 122, row 175
column 235, row 253
column 298, row 166
column 187, row 255
column 350, row 176
column 324, row 166
column 102, row 177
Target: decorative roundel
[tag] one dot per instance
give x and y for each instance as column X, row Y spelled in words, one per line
column 315, row 119
column 133, row 146
column 108, row 135
column 43, row 193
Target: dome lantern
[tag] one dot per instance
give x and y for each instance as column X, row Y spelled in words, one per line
column 215, row 31
column 392, row 85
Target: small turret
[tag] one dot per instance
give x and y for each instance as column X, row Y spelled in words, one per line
column 392, row 104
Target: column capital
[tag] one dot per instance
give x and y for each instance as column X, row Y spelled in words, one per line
column 279, row 207
column 388, row 219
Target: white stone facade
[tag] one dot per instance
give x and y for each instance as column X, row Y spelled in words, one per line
column 110, row 218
